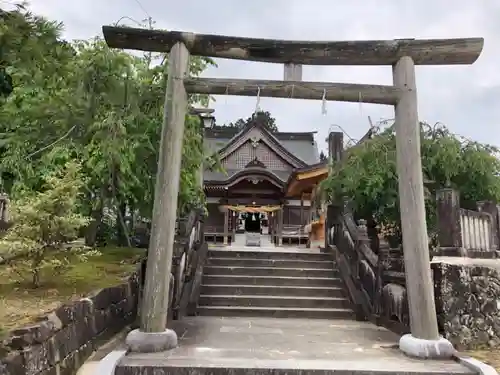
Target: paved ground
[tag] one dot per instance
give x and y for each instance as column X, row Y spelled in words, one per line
column 272, row 343
column 463, row 261
column 266, row 343
column 91, row 366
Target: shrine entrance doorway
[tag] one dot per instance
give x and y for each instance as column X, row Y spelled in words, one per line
column 253, row 222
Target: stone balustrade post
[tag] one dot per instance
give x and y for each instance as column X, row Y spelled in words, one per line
column 363, row 238
column 448, row 218
column 333, row 224
column 493, row 209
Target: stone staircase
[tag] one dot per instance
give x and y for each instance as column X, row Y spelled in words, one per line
column 272, row 283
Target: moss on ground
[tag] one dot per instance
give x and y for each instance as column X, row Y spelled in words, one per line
column 20, row 304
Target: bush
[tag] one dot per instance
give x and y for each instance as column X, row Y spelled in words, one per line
column 45, row 224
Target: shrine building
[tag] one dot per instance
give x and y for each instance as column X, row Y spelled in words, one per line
column 266, row 186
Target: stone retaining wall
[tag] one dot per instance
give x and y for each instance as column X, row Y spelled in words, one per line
column 64, row 339
column 468, row 300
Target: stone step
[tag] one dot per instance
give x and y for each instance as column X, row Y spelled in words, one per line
column 269, row 271
column 276, row 290
column 272, row 301
column 270, row 280
column 268, row 254
column 282, row 312
column 280, row 263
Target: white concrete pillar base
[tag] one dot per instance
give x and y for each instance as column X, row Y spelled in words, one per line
column 426, row 349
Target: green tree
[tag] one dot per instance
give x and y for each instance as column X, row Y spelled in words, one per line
column 83, row 101
column 368, row 176
column 39, row 107
column 262, row 117
column 44, row 223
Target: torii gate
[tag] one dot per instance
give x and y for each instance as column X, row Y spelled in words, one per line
column 402, row 54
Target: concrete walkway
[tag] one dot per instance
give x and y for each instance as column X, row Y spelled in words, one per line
column 237, row 345
column 294, row 345
column 103, row 361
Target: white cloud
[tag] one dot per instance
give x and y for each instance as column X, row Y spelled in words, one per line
column 463, row 97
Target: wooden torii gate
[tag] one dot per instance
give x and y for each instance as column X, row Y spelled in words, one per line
column 402, row 54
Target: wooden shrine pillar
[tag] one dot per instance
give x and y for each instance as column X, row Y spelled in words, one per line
column 280, row 226
column 153, row 335
column 226, row 226
column 419, row 282
column 335, row 147
column 234, row 223
column 301, row 209
column 270, row 225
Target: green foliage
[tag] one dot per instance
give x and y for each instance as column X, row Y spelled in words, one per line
column 102, row 107
column 6, row 85
column 44, row 223
column 369, row 177
column 262, row 117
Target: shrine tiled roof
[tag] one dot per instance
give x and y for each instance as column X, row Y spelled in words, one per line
column 302, row 145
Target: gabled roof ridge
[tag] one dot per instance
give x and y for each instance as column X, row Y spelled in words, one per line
column 255, row 124
column 233, row 133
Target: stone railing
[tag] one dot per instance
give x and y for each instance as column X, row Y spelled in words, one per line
column 461, row 232
column 294, row 234
column 215, row 234
column 466, row 272
column 190, row 250
column 61, row 341
column 476, row 230
column 189, row 258
column 375, row 282
column 465, row 290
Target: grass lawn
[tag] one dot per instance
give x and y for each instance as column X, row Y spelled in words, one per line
column 20, row 303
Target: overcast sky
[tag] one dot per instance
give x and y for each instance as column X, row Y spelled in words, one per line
column 465, row 98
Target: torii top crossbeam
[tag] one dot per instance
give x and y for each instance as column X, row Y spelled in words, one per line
column 371, row 52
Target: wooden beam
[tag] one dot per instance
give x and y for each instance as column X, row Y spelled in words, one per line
column 322, row 173
column 369, row 52
column 253, row 191
column 345, row 92
column 292, row 72
column 249, row 200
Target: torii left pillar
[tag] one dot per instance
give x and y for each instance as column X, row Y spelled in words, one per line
column 153, row 335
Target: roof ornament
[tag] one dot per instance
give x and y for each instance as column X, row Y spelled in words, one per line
column 226, row 95
column 257, row 105
column 255, row 142
column 254, row 180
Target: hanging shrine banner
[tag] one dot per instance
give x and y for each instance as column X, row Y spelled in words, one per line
column 250, row 209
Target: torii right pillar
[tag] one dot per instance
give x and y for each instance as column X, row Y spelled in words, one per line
column 424, row 340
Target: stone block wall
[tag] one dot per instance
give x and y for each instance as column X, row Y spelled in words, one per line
column 61, row 341
column 468, row 301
